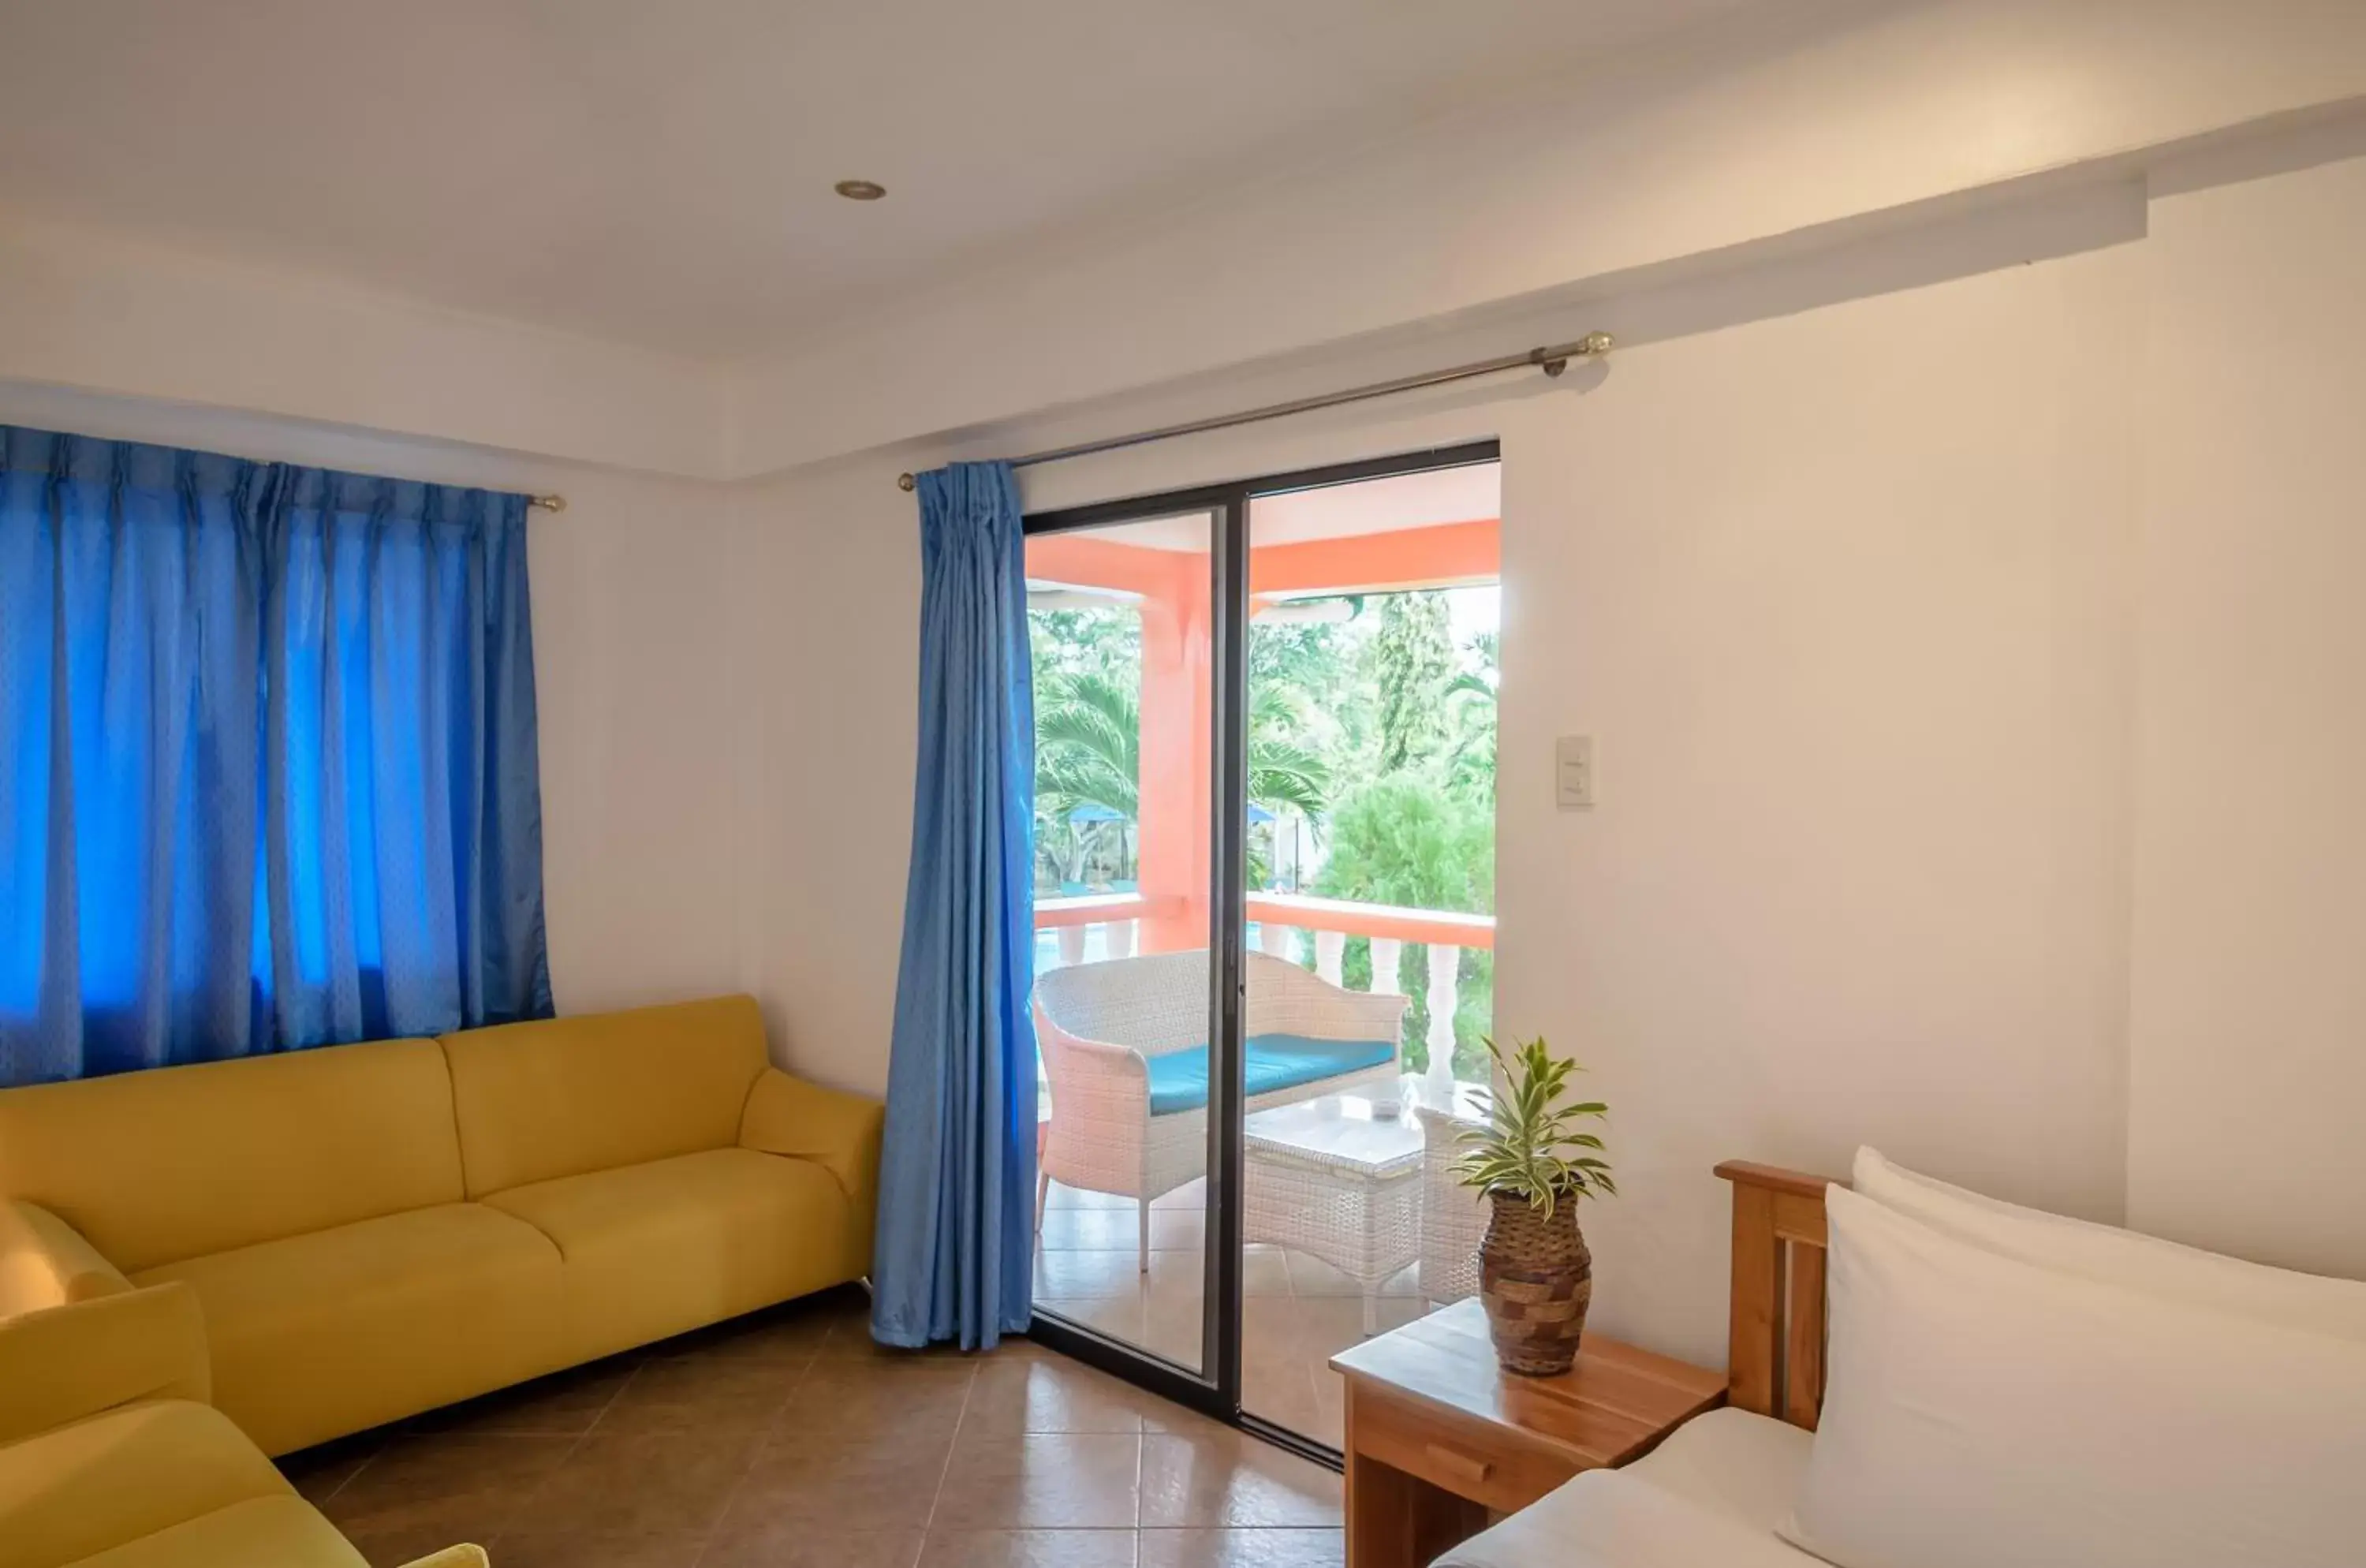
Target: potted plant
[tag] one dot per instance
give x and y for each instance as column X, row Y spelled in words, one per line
column 1534, row 1163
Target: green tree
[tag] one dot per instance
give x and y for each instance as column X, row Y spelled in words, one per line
column 1086, row 638
column 1088, row 750
column 1471, row 725
column 1304, row 677
column 1088, row 743
column 1412, row 662
column 1313, row 659
column 1284, row 771
column 1088, row 754
column 1406, row 841
column 1100, row 644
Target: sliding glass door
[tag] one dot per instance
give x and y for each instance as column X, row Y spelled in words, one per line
column 1264, row 881
column 1120, row 619
column 1369, row 855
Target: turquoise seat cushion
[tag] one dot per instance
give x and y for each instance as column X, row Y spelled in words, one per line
column 1178, row 1080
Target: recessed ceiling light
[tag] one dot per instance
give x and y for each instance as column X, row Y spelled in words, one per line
column 859, row 190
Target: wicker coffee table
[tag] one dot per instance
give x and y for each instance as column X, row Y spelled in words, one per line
column 1332, row 1178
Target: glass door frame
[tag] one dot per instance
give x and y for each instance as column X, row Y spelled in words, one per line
column 1215, row 1389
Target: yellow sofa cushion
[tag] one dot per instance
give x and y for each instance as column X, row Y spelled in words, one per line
column 181, row 1162
column 661, row 1248
column 262, row 1532
column 564, row 1096
column 81, row 1488
column 320, row 1334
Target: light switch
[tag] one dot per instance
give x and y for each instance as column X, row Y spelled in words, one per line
column 1573, row 772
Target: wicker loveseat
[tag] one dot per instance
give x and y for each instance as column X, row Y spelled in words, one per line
column 1125, row 1046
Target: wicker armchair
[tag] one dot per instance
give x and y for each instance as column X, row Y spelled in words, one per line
column 1098, row 1025
column 1453, row 1217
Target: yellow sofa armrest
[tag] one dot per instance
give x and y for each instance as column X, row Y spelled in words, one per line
column 839, row 1131
column 62, row 1363
column 45, row 1262
column 452, row 1557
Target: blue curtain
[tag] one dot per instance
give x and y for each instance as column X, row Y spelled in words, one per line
column 955, row 1244
column 271, row 773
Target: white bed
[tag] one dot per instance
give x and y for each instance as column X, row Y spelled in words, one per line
column 1708, row 1497
column 2009, row 1386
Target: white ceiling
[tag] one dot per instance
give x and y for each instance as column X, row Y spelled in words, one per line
column 658, row 171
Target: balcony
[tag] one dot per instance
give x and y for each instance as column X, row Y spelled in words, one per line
column 1369, row 742
column 1109, row 925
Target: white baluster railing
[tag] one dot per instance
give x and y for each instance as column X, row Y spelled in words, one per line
column 1117, row 918
column 1438, row 1082
column 1281, row 917
column 1331, row 956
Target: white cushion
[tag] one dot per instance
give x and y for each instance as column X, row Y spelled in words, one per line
column 1744, row 1466
column 1983, row 1411
column 2116, row 1256
column 1612, row 1518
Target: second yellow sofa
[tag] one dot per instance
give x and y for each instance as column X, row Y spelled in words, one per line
column 371, row 1231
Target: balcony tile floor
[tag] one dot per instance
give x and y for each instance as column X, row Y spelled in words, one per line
column 1297, row 1311
column 787, row 1439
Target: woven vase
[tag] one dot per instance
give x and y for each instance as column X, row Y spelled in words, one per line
column 1536, row 1279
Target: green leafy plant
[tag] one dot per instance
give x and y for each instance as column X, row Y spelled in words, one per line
column 1088, row 747
column 1531, row 1146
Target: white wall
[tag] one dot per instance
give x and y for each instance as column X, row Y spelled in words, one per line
column 1850, row 600
column 827, row 603
column 2248, row 1028
column 1843, row 597
column 635, row 686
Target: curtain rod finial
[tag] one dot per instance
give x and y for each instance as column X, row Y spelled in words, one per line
column 906, row 482
column 548, row 503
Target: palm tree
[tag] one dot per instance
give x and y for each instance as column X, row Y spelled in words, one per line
column 1088, row 750
column 1087, row 754
column 1284, row 773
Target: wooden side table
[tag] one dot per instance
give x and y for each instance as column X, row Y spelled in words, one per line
column 1440, row 1439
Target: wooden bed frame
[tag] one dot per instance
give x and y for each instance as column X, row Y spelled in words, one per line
column 1777, row 1345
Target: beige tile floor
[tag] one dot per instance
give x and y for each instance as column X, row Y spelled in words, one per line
column 1297, row 1311
column 788, row 1441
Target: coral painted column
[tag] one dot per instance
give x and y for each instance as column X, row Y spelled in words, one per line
column 1175, row 785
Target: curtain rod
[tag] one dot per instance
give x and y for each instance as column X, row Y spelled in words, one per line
column 1552, row 360
column 548, row 503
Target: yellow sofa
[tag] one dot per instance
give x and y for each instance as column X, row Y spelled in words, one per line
column 327, row 1240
